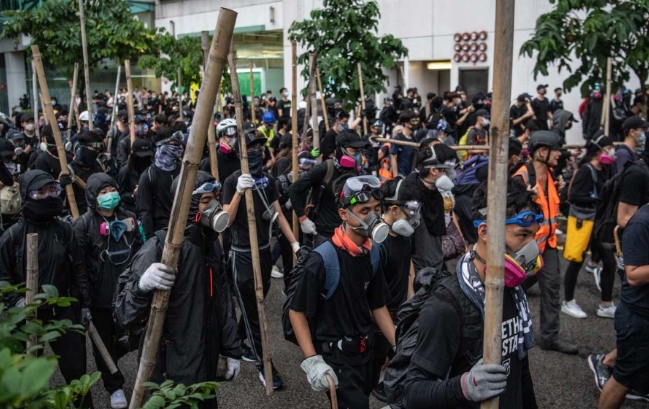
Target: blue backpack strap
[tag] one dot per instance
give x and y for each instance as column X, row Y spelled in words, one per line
column 332, row 267
column 375, row 257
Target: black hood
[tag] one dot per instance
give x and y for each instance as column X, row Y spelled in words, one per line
column 95, row 183
column 201, row 178
column 32, row 180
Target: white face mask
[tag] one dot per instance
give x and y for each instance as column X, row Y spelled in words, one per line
column 457, row 101
column 286, row 94
column 30, row 127
column 444, row 183
column 485, row 122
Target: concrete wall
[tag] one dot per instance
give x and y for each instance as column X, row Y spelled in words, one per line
column 16, row 76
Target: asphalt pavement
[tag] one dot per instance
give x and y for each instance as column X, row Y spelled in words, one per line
column 560, row 381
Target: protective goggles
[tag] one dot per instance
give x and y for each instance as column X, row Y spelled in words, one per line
column 51, row 190
column 177, row 137
column 229, row 131
column 96, row 145
column 411, row 208
column 361, row 189
column 524, row 219
column 207, row 187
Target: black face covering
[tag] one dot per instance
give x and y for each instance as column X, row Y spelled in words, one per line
column 86, row 156
column 256, row 164
column 141, row 163
column 44, row 210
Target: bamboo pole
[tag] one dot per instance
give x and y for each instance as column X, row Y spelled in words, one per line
column 497, row 183
column 296, row 169
column 360, row 82
column 49, row 113
column 332, row 392
column 182, row 199
column 314, row 102
column 472, row 147
column 101, row 347
column 211, row 132
column 325, row 118
column 253, row 114
column 76, row 115
column 115, row 109
column 252, row 225
column 86, row 68
column 35, row 96
column 73, row 90
column 129, row 101
column 607, row 103
column 32, row 278
column 180, row 97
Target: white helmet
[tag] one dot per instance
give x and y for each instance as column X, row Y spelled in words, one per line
column 226, row 127
column 83, row 117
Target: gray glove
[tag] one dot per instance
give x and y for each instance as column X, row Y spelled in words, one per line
column 316, row 373
column 21, row 302
column 157, row 277
column 244, row 182
column 308, row 227
column 234, row 367
column 483, row 382
column 85, row 317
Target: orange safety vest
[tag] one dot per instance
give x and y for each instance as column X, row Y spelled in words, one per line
column 384, row 167
column 550, row 206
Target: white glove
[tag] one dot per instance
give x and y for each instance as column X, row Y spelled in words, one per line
column 308, row 227
column 21, row 302
column 157, row 277
column 234, row 367
column 244, row 182
column 296, row 247
column 288, row 204
column 316, row 373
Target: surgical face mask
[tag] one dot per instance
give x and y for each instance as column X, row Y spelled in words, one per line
column 444, row 183
column 43, row 146
column 214, row 217
column 372, row 227
column 522, row 264
column 485, row 122
column 30, row 127
column 340, row 128
column 640, row 140
column 108, row 201
column 287, row 94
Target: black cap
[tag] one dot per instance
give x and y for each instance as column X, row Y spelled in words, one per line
column 483, row 113
column 40, row 180
column 26, row 117
column 6, row 148
column 634, row 122
column 521, row 98
column 252, row 140
column 286, row 141
column 143, row 147
column 602, row 140
column 350, row 139
column 538, row 87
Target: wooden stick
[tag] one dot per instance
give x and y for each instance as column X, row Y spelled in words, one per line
column 73, row 90
column 182, row 199
column 76, row 116
column 314, row 103
column 129, row 101
column 472, row 147
column 101, row 347
column 322, row 100
column 332, row 392
column 497, row 185
column 32, row 278
column 86, row 68
column 211, row 132
column 252, row 225
column 180, row 98
column 49, row 113
column 35, row 103
column 296, row 169
column 360, row 82
column 607, row 103
column 253, row 114
column 115, row 99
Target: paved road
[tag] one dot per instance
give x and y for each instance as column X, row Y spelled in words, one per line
column 561, row 381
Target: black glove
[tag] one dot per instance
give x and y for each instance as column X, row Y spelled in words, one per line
column 65, row 179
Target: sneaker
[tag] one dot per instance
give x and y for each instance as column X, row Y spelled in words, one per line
column 573, row 309
column 276, row 273
column 601, row 371
column 118, row 400
column 597, row 275
column 558, row 232
column 564, row 347
column 591, row 268
column 379, row 392
column 606, row 312
column 635, row 395
column 248, row 354
column 277, row 380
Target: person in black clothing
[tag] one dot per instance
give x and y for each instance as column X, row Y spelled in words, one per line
column 335, row 332
column 323, row 218
column 519, row 114
column 226, row 155
column 200, row 324
column 593, row 113
column 556, row 102
column 124, row 144
column 594, row 170
column 388, row 116
column 128, row 178
column 267, row 211
column 541, row 107
column 108, row 236
column 284, row 105
column 48, row 159
column 60, row 263
column 446, row 366
column 328, row 143
column 85, row 163
column 154, row 197
column 117, row 132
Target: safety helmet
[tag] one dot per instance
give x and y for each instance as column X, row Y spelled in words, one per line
column 268, row 118
column 544, row 138
column 226, row 127
column 83, row 117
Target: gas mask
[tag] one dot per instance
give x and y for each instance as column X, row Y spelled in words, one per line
column 406, row 227
column 214, row 217
column 372, row 227
column 522, row 264
column 444, row 183
column 348, row 161
column 227, row 146
column 606, row 158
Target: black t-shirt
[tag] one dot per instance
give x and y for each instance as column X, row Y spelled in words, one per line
column 405, row 154
column 541, row 109
column 285, row 106
column 450, row 114
column 515, row 113
column 634, row 246
column 477, row 136
column 328, row 144
column 347, row 312
column 240, row 236
column 555, row 105
column 634, row 186
column 397, row 270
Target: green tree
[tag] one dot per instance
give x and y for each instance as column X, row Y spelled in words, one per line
column 344, row 33
column 590, row 31
column 111, row 31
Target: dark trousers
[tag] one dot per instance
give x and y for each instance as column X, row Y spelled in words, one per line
column 354, row 379
column 244, row 279
column 381, row 349
column 71, row 348
column 549, row 280
column 103, row 320
column 607, row 276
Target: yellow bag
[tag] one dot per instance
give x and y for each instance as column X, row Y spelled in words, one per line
column 462, row 142
column 577, row 239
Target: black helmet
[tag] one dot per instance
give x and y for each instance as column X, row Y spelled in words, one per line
column 544, row 138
